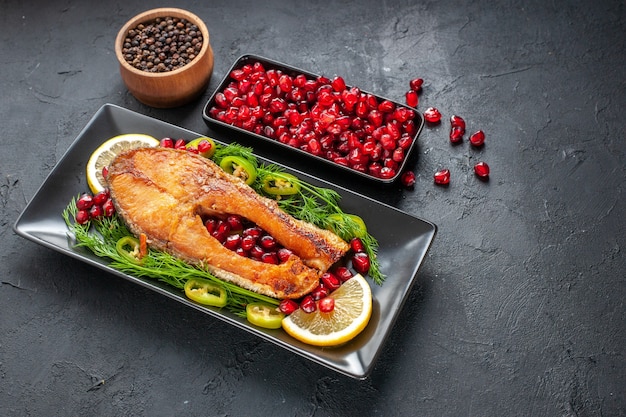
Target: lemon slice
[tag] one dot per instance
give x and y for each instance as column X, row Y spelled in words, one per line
column 353, row 309
column 105, row 153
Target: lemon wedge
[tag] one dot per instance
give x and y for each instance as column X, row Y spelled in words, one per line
column 105, row 153
column 352, row 312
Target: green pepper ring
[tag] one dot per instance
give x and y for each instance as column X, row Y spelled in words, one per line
column 130, row 255
column 240, row 167
column 290, row 186
column 205, row 292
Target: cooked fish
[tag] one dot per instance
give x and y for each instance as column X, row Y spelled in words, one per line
column 165, row 193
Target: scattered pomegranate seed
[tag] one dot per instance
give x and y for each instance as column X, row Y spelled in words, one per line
column 457, row 121
column 481, row 169
column 326, row 305
column 101, row 197
column 408, row 179
column 416, row 84
column 456, row 134
column 477, row 138
column 308, row 304
column 287, row 306
column 411, row 98
column 320, row 292
column 283, row 254
column 95, row 212
column 361, row 262
column 432, row 115
column 442, row 177
column 105, row 172
column 180, row 144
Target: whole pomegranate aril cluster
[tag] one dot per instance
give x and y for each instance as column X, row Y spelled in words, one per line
column 320, row 116
column 91, row 207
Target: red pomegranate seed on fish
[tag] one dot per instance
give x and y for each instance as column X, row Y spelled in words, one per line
column 411, row 98
column 82, row 216
column 248, row 242
column 477, row 138
column 257, row 252
column 442, row 177
column 283, row 254
column 233, row 242
column 361, row 262
column 287, row 306
column 235, row 222
column 326, row 304
column 210, row 225
column 432, row 115
column 270, row 258
column 481, row 169
column 308, row 304
column 85, row 202
column 180, row 144
column 408, row 179
column 457, row 121
column 268, row 243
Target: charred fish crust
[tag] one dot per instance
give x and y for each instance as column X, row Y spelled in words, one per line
column 165, row 193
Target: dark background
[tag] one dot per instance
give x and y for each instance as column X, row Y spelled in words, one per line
column 519, row 306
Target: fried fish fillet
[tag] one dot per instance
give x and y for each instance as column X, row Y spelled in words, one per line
column 165, row 193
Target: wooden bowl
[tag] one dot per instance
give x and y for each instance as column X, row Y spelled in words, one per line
column 171, row 88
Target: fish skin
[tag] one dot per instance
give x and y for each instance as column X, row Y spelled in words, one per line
column 164, row 193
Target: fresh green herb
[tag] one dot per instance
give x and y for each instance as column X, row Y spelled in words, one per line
column 100, row 237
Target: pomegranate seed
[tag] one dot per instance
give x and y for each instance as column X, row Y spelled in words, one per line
column 105, row 172
column 386, row 106
column 411, row 98
column 82, row 216
column 248, row 242
column 308, row 304
column 477, row 138
column 408, row 179
column 442, row 177
column 456, row 134
column 338, row 84
column 101, row 197
column 481, row 169
column 457, row 121
column 108, row 208
column 283, row 254
column 257, row 252
column 235, row 222
column 416, row 84
column 268, row 243
column 167, row 143
column 270, row 258
column 432, row 115
column 95, row 212
column 180, row 144
column 326, row 304
column 320, row 292
column 387, row 173
column 255, row 232
column 330, row 281
column 343, row 273
column 287, row 306
column 85, row 202
column 357, row 245
column 210, row 225
column 361, row 262
column 285, row 83
column 398, row 155
column 233, row 242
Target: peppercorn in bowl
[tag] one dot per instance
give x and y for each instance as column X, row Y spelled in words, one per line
column 165, row 57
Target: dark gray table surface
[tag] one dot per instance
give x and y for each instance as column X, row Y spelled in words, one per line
column 518, row 308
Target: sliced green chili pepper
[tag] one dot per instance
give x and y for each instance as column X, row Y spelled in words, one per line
column 128, row 247
column 346, row 225
column 239, row 167
column 281, row 184
column 264, row 315
column 206, row 292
